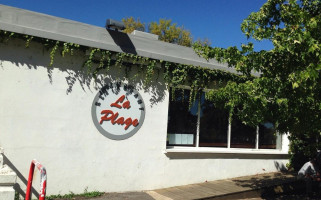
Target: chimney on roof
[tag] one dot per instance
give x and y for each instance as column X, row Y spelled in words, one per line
column 115, row 25
column 118, row 25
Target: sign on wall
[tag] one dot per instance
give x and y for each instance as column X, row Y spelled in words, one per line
column 118, row 111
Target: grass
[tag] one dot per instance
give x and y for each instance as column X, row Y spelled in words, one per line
column 16, row 195
column 73, row 195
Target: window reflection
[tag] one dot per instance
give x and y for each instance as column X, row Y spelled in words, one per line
column 182, row 120
column 267, row 136
column 242, row 136
column 213, row 125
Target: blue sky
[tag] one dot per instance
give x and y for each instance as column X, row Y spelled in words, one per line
column 217, row 20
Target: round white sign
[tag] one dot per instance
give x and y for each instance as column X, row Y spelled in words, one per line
column 118, row 111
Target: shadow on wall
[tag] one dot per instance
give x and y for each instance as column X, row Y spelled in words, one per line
column 37, row 55
column 21, row 177
column 280, row 166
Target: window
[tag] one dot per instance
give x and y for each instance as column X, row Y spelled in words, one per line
column 204, row 125
column 242, row 136
column 267, row 136
column 182, row 120
column 213, row 125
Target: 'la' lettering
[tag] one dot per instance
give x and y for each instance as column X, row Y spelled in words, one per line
column 125, row 105
column 119, row 100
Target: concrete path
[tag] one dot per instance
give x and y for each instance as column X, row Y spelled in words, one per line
column 237, row 187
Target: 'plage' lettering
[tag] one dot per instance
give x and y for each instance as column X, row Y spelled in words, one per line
column 109, row 115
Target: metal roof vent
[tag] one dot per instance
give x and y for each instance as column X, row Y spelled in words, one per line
column 116, row 25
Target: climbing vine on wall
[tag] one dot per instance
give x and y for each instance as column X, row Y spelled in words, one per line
column 99, row 61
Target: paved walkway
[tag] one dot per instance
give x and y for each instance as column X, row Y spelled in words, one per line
column 212, row 189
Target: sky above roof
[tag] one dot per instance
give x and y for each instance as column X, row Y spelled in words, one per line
column 216, row 20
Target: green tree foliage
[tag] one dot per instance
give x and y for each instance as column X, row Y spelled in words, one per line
column 170, row 32
column 165, row 29
column 287, row 90
column 131, row 24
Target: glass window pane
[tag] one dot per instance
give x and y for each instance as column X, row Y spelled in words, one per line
column 242, row 136
column 182, row 120
column 213, row 125
column 267, row 136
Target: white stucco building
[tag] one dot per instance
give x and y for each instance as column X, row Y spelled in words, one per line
column 47, row 113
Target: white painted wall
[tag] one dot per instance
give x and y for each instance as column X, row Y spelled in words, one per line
column 43, row 116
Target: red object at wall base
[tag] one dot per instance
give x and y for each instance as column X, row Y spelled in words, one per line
column 43, row 180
